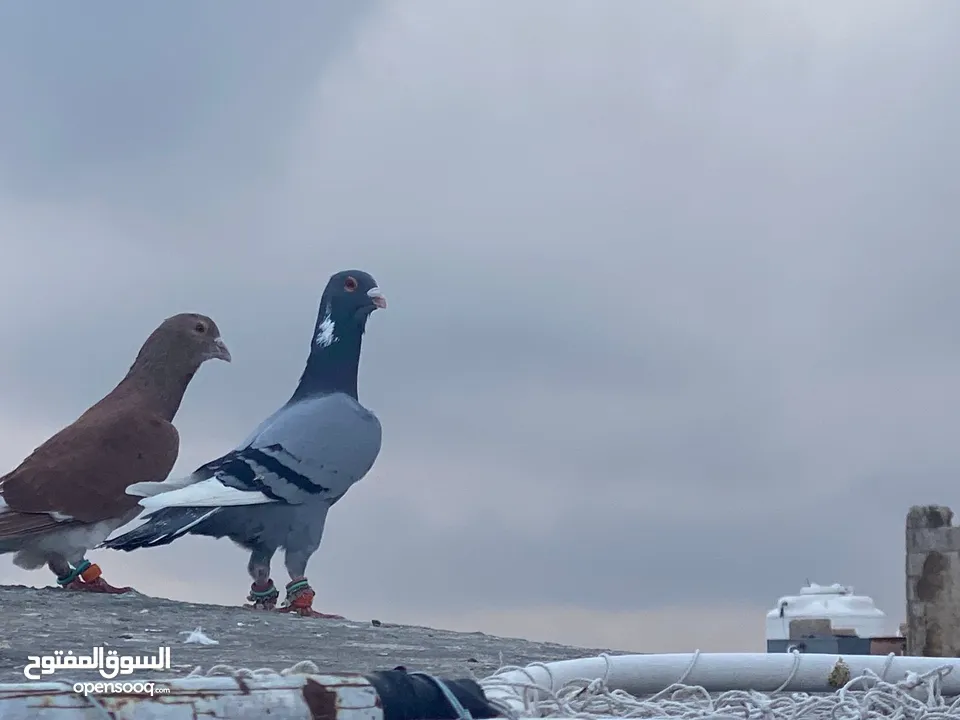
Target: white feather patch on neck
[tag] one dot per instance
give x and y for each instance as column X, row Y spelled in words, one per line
column 325, row 332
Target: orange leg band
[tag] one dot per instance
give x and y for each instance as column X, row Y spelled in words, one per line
column 91, row 573
column 304, row 599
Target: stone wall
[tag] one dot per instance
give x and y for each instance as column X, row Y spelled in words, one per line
column 933, row 582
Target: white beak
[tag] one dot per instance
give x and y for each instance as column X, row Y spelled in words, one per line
column 378, row 299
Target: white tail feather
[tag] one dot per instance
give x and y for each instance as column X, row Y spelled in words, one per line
column 206, row 493
column 149, row 489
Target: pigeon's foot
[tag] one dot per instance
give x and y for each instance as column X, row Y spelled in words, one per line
column 87, row 577
column 260, row 606
column 300, row 601
column 98, row 586
column 263, row 597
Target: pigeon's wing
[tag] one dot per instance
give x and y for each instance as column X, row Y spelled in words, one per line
column 204, row 472
column 316, row 448
column 81, row 473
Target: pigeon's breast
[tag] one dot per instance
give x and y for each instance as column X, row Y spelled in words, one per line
column 325, row 445
column 348, row 441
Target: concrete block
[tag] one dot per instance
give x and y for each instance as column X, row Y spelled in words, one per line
column 915, row 564
column 929, row 516
column 932, row 582
column 944, row 539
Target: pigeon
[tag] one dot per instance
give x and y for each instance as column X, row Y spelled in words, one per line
column 70, row 493
column 275, row 488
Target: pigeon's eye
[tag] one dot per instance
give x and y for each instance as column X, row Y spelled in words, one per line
column 350, row 284
column 200, row 328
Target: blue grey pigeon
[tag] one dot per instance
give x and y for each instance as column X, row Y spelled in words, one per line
column 274, row 489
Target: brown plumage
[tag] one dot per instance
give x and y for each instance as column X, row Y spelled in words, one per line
column 70, row 493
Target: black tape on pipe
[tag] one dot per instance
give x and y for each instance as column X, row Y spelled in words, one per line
column 409, row 696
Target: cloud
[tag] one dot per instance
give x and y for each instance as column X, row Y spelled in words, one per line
column 670, row 289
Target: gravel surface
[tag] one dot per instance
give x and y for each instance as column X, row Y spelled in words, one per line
column 39, row 621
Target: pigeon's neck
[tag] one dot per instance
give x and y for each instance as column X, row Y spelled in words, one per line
column 158, row 384
column 334, row 359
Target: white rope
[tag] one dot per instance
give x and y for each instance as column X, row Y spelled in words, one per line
column 865, row 697
column 304, row 667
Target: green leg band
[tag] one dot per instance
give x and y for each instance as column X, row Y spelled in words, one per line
column 295, row 586
column 270, row 593
column 73, row 574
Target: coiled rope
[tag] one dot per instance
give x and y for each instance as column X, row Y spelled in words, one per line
column 864, row 697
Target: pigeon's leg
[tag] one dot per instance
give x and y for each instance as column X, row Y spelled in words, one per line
column 83, row 576
column 263, row 593
column 66, row 577
column 299, row 593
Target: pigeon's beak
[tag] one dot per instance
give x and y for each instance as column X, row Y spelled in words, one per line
column 221, row 352
column 378, row 299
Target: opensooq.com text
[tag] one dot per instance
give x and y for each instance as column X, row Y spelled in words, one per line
column 135, row 688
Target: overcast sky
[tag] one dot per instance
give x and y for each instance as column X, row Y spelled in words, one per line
column 673, row 286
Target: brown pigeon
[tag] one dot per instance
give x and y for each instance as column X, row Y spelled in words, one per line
column 70, row 493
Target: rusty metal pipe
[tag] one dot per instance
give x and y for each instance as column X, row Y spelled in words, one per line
column 293, row 697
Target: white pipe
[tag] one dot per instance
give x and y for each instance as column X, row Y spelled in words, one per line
column 642, row 675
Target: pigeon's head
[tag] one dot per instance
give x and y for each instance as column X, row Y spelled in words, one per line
column 192, row 339
column 349, row 299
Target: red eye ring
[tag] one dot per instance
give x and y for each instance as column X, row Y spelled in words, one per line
column 350, row 284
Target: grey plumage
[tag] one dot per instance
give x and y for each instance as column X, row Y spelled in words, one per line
column 309, row 452
column 275, row 488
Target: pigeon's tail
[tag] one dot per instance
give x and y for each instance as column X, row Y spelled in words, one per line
column 149, row 489
column 161, row 528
